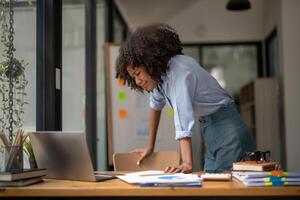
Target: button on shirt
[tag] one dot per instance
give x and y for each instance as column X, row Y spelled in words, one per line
column 190, row 91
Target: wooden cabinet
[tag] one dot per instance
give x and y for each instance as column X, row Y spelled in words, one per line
column 259, row 109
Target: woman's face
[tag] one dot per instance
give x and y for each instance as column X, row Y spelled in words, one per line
column 142, row 78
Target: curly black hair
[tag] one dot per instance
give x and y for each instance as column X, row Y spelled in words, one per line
column 151, row 46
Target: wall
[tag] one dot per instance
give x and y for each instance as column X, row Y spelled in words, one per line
column 291, row 70
column 284, row 15
column 271, row 16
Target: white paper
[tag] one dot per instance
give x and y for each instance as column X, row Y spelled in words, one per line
column 140, row 178
column 147, row 172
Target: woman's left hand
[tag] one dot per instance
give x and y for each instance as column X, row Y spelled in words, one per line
column 184, row 168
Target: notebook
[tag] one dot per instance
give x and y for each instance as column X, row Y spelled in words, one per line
column 22, row 182
column 65, row 155
column 14, row 175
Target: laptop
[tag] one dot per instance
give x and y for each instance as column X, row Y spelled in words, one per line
column 65, row 155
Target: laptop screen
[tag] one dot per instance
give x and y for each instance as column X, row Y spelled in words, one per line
column 65, row 155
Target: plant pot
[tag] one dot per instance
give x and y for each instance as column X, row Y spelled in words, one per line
column 13, row 157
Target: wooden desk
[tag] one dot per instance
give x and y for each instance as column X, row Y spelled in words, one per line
column 116, row 188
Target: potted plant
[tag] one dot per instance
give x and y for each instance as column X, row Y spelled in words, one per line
column 12, row 76
column 29, row 152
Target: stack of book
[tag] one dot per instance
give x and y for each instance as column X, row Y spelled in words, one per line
column 21, row 177
column 274, row 178
column 154, row 178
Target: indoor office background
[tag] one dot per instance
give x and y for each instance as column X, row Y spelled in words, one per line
column 235, row 47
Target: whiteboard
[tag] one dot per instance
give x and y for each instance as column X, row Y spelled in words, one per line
column 127, row 114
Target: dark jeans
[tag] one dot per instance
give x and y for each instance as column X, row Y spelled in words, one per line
column 226, row 138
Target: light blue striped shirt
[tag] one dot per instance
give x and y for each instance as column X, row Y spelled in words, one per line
column 190, row 91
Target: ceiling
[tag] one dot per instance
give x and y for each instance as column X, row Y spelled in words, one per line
column 141, row 12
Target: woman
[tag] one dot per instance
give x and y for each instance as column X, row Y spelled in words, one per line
column 152, row 60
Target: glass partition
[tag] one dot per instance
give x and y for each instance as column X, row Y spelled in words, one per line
column 73, row 70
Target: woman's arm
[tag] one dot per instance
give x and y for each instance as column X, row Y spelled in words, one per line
column 154, row 117
column 186, row 155
column 186, row 151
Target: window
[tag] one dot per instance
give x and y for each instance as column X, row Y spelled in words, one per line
column 272, row 55
column 73, row 62
column 233, row 65
column 25, row 45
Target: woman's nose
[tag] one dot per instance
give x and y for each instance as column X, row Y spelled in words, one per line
column 138, row 81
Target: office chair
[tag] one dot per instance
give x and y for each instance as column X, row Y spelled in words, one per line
column 156, row 161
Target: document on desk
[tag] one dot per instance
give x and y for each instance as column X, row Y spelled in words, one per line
column 251, row 179
column 154, row 176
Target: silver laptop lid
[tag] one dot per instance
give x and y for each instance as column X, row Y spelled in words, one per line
column 65, row 155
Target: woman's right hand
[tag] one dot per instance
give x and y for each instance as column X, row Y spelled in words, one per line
column 143, row 153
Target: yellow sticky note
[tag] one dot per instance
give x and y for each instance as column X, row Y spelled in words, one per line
column 170, row 112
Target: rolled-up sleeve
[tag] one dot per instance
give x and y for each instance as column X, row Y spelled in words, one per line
column 157, row 100
column 182, row 95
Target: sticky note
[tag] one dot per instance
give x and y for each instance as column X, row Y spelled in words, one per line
column 82, row 114
column 170, row 112
column 83, row 98
column 123, row 113
column 121, row 82
column 122, row 96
